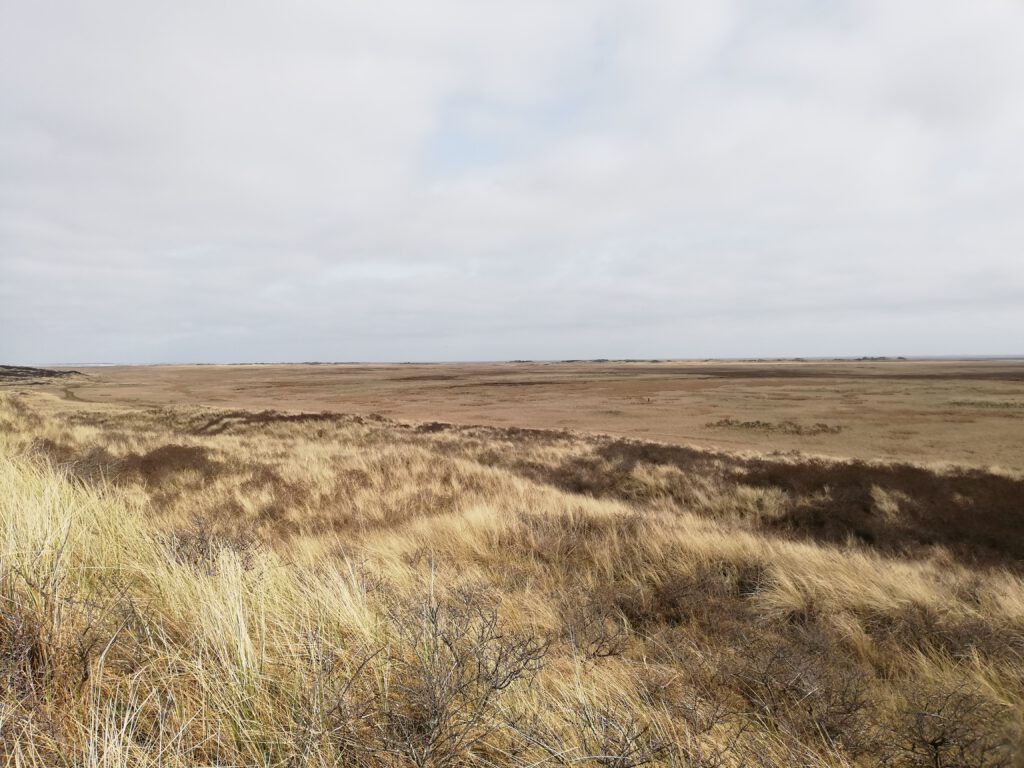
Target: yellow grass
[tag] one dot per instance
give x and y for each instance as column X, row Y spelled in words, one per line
column 344, row 591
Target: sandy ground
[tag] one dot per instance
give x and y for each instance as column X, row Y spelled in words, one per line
column 969, row 412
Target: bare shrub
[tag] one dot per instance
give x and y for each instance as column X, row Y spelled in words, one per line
column 959, row 636
column 953, row 727
column 448, row 664
column 23, row 666
column 602, row 734
column 711, row 595
column 593, row 628
column 805, row 684
column 199, row 545
column 696, row 693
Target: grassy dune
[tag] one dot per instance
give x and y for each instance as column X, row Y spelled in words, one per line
column 199, row 587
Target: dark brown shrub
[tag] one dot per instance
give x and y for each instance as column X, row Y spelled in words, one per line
column 157, row 466
column 955, row 727
column 200, row 544
column 803, row 683
column 449, row 663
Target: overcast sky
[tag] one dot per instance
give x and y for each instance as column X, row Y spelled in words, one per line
column 454, row 180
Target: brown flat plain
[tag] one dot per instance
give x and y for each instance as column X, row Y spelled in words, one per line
column 963, row 412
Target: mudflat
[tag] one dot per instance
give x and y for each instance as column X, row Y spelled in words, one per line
column 962, row 412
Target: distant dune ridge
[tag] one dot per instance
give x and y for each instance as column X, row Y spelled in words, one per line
column 22, row 373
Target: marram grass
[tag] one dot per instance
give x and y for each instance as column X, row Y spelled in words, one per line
column 349, row 592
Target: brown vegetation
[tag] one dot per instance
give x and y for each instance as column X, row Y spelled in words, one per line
column 189, row 586
column 967, row 413
column 22, row 374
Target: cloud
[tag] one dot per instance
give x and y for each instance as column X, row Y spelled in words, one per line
column 458, row 180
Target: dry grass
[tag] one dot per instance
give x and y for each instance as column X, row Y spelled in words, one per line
column 198, row 587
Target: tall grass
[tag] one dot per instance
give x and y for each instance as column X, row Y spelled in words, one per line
column 184, row 587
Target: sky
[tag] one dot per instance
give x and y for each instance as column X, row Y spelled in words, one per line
column 213, row 181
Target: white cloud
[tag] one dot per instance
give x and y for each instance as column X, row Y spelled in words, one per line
column 209, row 181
